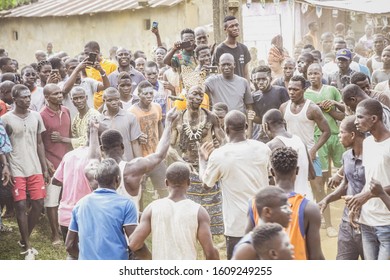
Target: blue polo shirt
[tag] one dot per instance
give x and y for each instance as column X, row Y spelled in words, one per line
column 354, row 173
column 99, row 219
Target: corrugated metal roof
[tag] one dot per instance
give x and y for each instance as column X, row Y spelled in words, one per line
column 361, row 6
column 60, row 8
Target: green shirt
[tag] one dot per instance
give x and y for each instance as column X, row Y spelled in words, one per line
column 325, row 93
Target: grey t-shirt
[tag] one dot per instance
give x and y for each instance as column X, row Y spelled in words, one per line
column 24, row 160
column 126, row 123
column 136, row 78
column 236, row 92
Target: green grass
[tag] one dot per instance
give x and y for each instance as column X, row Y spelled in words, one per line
column 40, row 239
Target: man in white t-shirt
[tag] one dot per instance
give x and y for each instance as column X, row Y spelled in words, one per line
column 374, row 215
column 240, row 166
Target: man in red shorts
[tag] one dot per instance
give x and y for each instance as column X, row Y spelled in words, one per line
column 27, row 165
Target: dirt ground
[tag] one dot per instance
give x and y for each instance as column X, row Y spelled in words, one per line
column 329, row 245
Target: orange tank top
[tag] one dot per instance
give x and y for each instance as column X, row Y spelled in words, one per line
column 296, row 228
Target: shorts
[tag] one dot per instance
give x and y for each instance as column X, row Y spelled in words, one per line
column 317, row 167
column 34, row 184
column 53, row 193
column 333, row 150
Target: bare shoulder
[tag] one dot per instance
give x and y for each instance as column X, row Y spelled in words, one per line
column 134, row 166
column 203, row 216
column 245, row 251
column 282, row 107
column 313, row 110
column 312, row 212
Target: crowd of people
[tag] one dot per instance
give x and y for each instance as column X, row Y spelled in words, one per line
column 232, row 146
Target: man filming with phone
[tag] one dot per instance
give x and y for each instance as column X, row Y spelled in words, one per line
column 201, row 73
column 92, row 50
column 182, row 57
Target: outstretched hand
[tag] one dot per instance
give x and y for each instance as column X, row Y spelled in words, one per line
column 205, row 150
column 251, row 115
column 154, row 30
column 322, row 204
column 172, row 115
column 334, row 181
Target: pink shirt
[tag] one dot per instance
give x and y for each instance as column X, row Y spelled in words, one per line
column 75, row 185
column 59, row 122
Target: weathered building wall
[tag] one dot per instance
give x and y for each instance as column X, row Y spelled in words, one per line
column 126, row 29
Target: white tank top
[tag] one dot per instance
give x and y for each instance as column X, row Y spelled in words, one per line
column 122, row 190
column 301, row 185
column 375, row 64
column 300, row 125
column 174, row 228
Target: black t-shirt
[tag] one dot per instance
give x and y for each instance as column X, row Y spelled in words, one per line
column 240, row 53
column 272, row 99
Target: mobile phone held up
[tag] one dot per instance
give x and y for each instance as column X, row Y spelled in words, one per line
column 212, row 69
column 154, row 25
column 92, row 57
column 185, row 45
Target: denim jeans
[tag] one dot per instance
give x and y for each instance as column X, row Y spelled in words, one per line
column 349, row 244
column 376, row 242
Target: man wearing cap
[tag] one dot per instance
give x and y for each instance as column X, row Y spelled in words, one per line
column 342, row 77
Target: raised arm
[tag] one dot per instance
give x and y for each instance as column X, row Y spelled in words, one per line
column 168, row 57
column 103, row 74
column 218, row 132
column 147, row 163
column 156, row 32
column 72, row 78
column 94, row 155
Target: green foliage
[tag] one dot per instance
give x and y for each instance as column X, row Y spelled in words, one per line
column 9, row 4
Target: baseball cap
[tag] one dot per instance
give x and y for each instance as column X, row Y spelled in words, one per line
column 344, row 53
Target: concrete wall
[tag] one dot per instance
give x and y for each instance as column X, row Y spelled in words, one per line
column 109, row 29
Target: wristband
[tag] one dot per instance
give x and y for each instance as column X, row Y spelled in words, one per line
column 328, row 110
